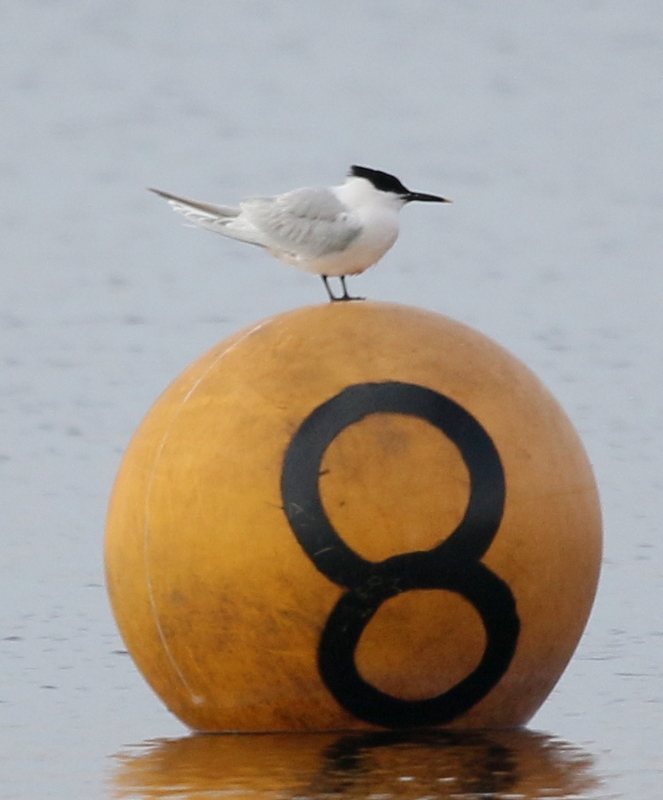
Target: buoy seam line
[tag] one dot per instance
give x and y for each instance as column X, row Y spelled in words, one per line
column 197, row 699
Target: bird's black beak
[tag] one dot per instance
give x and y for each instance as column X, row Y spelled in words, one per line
column 425, row 198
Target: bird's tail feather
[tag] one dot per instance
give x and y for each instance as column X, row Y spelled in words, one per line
column 214, row 218
column 182, row 204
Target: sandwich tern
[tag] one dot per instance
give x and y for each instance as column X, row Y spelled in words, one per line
column 331, row 232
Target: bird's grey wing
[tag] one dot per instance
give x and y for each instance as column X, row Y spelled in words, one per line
column 305, row 222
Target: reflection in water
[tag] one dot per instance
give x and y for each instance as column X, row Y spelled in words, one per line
column 381, row 765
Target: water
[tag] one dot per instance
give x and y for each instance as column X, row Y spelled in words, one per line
column 542, row 121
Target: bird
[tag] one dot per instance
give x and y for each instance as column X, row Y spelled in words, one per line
column 332, row 231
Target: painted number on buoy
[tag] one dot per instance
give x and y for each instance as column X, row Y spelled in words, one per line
column 454, row 565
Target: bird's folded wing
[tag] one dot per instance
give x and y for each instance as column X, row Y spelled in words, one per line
column 305, row 222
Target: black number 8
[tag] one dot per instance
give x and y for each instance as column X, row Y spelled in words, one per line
column 454, row 565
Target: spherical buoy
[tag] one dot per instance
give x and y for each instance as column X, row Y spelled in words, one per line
column 354, row 515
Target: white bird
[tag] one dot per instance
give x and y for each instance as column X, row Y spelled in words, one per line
column 336, row 231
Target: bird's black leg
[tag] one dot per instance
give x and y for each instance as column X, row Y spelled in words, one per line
column 345, row 295
column 332, row 296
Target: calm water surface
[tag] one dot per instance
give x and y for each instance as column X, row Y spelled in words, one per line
column 542, row 121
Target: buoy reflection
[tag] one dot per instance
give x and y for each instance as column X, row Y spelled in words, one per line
column 435, row 764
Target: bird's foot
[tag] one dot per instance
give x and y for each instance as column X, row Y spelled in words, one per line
column 345, row 298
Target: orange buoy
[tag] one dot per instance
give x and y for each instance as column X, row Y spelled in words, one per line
column 354, row 515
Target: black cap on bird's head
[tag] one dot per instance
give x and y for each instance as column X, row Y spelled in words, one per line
column 384, row 182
